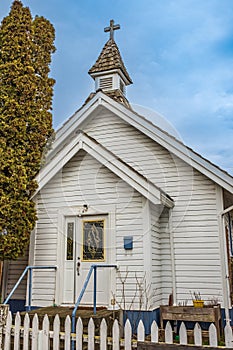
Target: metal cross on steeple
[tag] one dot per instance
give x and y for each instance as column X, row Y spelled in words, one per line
column 111, row 28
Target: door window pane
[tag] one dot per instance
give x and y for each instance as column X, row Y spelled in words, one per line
column 93, row 240
column 70, row 241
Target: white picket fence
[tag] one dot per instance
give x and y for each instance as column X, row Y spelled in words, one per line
column 24, row 337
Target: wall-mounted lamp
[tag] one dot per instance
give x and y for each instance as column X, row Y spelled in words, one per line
column 83, row 210
column 85, row 207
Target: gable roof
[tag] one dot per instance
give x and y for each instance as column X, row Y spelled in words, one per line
column 109, row 59
column 169, row 142
column 110, row 161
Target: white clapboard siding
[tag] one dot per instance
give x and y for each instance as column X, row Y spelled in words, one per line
column 43, row 286
column 43, row 339
column 83, row 179
column 195, row 212
column 156, row 255
column 166, row 263
column 45, row 253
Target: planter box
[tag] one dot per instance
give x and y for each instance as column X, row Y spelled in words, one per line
column 190, row 313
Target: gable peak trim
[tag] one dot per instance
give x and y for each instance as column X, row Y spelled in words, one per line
column 110, row 161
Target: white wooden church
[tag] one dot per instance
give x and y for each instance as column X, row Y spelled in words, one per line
column 117, row 189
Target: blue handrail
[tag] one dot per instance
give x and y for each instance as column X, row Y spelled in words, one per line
column 28, row 268
column 92, row 268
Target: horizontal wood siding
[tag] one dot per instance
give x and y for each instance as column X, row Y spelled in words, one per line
column 166, row 259
column 156, row 255
column 85, row 180
column 130, row 263
column 195, row 226
column 45, row 253
column 14, row 271
column 161, row 256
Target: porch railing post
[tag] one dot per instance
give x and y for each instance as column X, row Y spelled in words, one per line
column 93, row 267
column 30, row 289
column 95, row 288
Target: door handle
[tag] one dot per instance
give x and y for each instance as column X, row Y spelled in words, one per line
column 78, row 266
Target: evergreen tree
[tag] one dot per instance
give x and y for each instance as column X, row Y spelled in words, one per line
column 26, row 91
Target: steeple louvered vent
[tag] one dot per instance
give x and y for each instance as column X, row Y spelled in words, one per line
column 106, row 83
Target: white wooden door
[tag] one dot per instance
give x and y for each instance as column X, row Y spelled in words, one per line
column 86, row 240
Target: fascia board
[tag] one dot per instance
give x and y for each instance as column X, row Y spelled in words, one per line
column 52, row 168
column 171, row 144
column 147, row 189
column 72, row 124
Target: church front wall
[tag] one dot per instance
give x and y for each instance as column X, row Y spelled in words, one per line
column 43, row 252
column 83, row 180
column 195, row 215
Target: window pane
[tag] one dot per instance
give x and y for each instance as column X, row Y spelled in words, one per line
column 70, row 241
column 93, row 240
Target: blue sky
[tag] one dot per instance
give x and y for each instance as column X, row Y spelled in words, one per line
column 179, row 54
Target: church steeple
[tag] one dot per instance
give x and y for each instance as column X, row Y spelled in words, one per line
column 109, row 71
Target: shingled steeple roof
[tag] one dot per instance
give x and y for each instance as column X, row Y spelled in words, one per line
column 109, row 71
column 110, row 59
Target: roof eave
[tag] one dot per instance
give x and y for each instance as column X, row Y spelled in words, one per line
column 173, row 145
column 109, row 160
